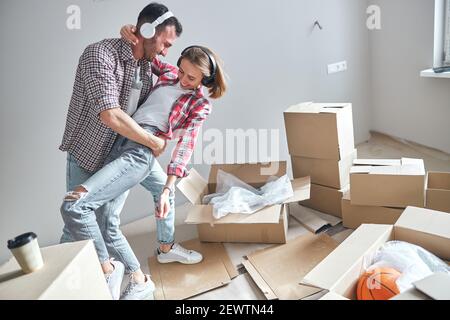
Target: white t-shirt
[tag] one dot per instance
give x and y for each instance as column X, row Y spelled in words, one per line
column 156, row 110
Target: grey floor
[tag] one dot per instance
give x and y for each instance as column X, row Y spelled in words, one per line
column 142, row 236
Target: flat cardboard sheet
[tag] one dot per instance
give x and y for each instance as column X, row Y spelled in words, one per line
column 313, row 220
column 278, row 270
column 175, row 281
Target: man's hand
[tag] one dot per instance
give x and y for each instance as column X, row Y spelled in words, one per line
column 162, row 210
column 127, row 32
column 158, row 145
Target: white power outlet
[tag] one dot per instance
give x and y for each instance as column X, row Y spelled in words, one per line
column 337, row 67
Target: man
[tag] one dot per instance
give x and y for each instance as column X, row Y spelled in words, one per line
column 99, row 111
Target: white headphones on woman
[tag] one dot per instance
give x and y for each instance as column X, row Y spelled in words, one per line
column 148, row 29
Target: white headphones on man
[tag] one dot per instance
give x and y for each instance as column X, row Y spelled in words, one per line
column 148, row 29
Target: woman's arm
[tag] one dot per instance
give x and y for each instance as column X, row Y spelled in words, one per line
column 127, row 32
column 164, row 205
column 182, row 154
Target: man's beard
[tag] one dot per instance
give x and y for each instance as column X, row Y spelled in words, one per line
column 149, row 54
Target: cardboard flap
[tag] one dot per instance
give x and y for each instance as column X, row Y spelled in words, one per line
column 377, row 162
column 259, row 280
column 310, row 107
column 425, row 220
column 360, row 169
column 302, row 188
column 301, row 107
column 346, row 195
column 255, row 174
column 404, row 166
column 333, row 296
column 436, row 286
column 193, row 187
column 345, row 257
column 203, row 214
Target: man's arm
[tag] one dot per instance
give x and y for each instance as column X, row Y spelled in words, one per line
column 117, row 120
column 103, row 91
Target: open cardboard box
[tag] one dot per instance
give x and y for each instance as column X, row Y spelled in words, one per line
column 71, row 271
column 388, row 183
column 320, row 130
column 326, row 172
column 268, row 225
column 353, row 216
column 325, row 199
column 438, row 191
column 340, row 271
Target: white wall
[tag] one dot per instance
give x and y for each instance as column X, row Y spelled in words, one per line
column 270, row 54
column 404, row 104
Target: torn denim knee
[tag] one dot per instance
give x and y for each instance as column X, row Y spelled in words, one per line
column 73, row 196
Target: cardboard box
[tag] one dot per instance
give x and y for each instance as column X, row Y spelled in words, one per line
column 329, row 173
column 71, row 271
column 388, row 183
column 438, row 191
column 325, row 199
column 339, row 272
column 353, row 216
column 320, row 130
column 277, row 270
column 434, row 287
column 268, row 225
column 176, row 281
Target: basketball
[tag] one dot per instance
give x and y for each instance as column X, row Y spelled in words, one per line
column 378, row 284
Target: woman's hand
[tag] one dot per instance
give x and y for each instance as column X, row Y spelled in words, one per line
column 127, row 33
column 162, row 210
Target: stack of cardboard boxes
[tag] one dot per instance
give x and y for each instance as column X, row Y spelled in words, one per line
column 380, row 189
column 321, row 144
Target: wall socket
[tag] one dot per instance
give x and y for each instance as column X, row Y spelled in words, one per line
column 337, row 67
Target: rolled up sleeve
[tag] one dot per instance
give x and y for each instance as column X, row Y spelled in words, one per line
column 186, row 142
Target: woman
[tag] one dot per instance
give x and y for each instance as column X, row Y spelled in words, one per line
column 176, row 108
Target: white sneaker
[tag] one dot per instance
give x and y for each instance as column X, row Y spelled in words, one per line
column 114, row 279
column 139, row 291
column 179, row 254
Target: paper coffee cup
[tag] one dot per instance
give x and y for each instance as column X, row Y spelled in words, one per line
column 25, row 249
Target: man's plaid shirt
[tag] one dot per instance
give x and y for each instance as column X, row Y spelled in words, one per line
column 103, row 81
